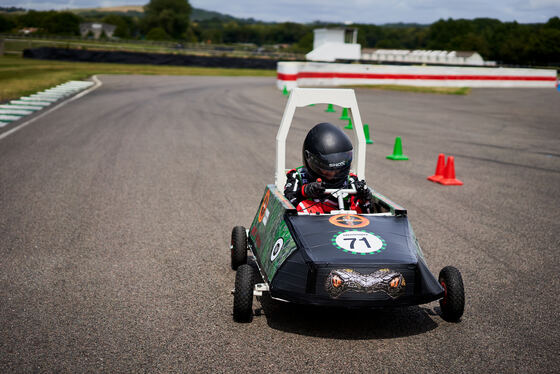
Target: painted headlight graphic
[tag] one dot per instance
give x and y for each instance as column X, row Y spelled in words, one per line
column 336, row 281
column 384, row 280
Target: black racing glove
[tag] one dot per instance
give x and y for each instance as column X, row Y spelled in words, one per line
column 363, row 193
column 314, row 190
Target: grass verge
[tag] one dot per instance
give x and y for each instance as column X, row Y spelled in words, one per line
column 20, row 76
column 432, row 90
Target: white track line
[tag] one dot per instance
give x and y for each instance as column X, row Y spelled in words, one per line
column 97, row 85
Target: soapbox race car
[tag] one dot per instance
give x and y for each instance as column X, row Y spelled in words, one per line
column 341, row 259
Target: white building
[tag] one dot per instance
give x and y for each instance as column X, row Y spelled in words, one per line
column 425, row 57
column 97, row 29
column 334, row 44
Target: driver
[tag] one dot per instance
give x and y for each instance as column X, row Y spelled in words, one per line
column 327, row 156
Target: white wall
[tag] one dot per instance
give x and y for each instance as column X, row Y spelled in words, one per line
column 302, row 74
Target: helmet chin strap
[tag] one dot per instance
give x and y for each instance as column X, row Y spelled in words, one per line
column 329, row 184
column 333, row 184
column 314, row 175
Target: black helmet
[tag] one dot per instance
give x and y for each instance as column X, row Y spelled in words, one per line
column 327, row 154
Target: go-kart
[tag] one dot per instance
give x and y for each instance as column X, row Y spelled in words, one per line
column 341, row 259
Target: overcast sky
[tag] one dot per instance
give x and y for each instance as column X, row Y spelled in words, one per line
column 358, row 11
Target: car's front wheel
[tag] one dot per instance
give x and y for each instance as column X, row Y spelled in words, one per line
column 453, row 302
column 238, row 247
column 243, row 293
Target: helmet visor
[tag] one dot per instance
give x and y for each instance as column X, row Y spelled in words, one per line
column 333, row 167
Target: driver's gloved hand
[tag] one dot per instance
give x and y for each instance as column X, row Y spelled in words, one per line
column 363, row 193
column 314, row 190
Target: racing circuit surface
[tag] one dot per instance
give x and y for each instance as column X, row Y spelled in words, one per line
column 117, row 209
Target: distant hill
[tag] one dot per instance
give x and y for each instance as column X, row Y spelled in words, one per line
column 203, row 15
column 197, row 15
column 11, row 9
column 126, row 10
column 404, row 25
column 113, row 9
column 138, row 10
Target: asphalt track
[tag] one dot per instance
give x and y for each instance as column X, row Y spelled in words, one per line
column 116, row 213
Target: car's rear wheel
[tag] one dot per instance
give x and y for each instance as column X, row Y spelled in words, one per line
column 453, row 302
column 243, row 294
column 238, row 247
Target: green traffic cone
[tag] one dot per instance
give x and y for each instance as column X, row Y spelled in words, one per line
column 349, row 125
column 366, row 133
column 285, row 91
column 344, row 115
column 397, row 151
column 330, row 109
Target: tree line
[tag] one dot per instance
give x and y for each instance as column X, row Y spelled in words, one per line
column 505, row 42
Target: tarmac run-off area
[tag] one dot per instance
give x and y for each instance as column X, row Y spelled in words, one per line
column 117, row 210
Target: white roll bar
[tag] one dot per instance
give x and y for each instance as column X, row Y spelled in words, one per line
column 301, row 97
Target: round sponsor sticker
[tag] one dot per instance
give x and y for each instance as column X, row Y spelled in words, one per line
column 276, row 249
column 359, row 242
column 349, row 221
column 264, row 205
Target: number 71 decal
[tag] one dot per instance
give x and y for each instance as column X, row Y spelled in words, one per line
column 359, row 242
column 353, row 240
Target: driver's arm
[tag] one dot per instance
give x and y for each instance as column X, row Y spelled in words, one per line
column 363, row 200
column 292, row 189
column 296, row 192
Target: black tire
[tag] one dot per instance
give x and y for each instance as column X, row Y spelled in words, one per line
column 238, row 247
column 453, row 302
column 243, row 294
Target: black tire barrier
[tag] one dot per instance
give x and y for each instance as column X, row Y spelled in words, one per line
column 82, row 55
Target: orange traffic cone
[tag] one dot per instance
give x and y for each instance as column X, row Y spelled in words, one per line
column 449, row 174
column 439, row 169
